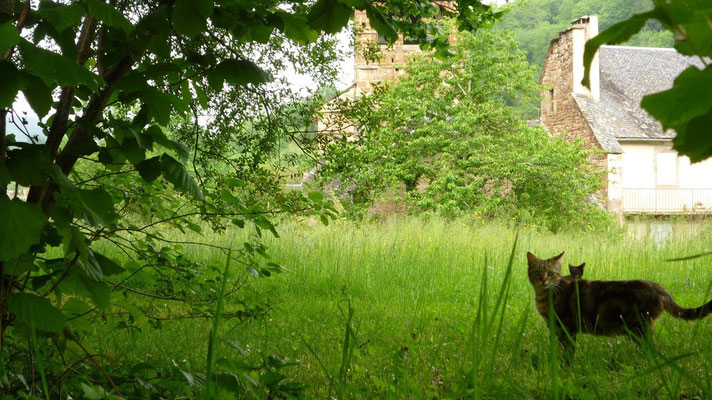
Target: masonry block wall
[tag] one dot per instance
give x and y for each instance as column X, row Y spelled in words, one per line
column 560, row 114
column 388, row 68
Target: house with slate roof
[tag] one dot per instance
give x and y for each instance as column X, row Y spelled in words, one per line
column 644, row 175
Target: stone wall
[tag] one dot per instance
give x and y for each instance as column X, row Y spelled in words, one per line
column 389, row 67
column 560, row 114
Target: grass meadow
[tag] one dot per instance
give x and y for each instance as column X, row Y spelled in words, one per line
column 411, row 309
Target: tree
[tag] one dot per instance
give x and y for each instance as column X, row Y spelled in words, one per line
column 535, row 23
column 122, row 84
column 444, row 140
column 687, row 106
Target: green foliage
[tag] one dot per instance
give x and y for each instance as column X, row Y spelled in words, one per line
column 20, row 227
column 686, row 107
column 535, row 23
column 35, row 312
column 443, row 139
column 161, row 115
column 8, row 36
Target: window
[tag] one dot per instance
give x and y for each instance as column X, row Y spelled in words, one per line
column 551, row 101
column 666, row 169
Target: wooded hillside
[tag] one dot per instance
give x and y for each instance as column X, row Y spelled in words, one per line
column 536, row 22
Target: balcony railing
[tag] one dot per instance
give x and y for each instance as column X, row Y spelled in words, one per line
column 667, row 201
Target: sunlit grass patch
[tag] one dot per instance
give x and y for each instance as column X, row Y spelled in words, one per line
column 416, row 288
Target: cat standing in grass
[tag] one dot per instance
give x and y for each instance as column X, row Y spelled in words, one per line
column 605, row 308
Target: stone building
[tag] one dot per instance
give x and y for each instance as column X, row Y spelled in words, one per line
column 387, row 68
column 643, row 173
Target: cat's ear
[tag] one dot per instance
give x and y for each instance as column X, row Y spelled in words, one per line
column 557, row 259
column 531, row 258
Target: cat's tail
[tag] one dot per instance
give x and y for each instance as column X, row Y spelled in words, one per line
column 685, row 313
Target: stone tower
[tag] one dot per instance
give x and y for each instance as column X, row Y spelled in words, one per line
column 388, row 68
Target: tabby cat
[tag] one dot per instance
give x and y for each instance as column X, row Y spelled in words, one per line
column 606, row 307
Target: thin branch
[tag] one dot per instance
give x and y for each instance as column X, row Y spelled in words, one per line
column 64, row 275
column 197, row 136
column 104, row 175
column 215, row 214
column 92, row 358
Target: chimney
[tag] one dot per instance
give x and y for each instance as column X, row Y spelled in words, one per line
column 582, row 30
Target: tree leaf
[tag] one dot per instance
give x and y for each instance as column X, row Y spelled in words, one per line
column 615, row 34
column 296, row 28
column 694, row 139
column 205, row 7
column 264, row 223
column 175, row 173
column 54, row 68
column 75, row 307
column 237, row 73
column 688, row 98
column 91, row 268
column 99, row 292
column 4, row 178
column 20, row 265
column 107, row 265
column 8, row 36
column 98, row 266
column 187, row 18
column 159, row 137
column 107, row 14
column 10, row 84
column 381, row 24
column 35, row 311
column 28, row 165
column 316, row 196
column 159, row 104
column 329, row 16
column 74, row 241
column 149, row 169
column 62, row 17
column 94, row 205
column 37, row 94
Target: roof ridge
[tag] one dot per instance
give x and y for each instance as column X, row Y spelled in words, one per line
column 640, row 48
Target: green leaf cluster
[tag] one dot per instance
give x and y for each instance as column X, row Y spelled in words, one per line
column 443, row 139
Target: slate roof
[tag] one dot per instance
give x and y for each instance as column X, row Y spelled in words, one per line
column 626, row 75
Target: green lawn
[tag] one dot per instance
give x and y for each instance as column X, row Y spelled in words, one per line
column 427, row 325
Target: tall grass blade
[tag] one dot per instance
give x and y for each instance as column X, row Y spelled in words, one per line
column 40, row 363
column 212, row 340
column 705, row 254
column 347, row 350
column 321, row 364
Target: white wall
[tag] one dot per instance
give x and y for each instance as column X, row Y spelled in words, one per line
column 655, row 165
column 639, row 167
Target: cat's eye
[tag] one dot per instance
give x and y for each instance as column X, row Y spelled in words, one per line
column 550, row 273
column 536, row 273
